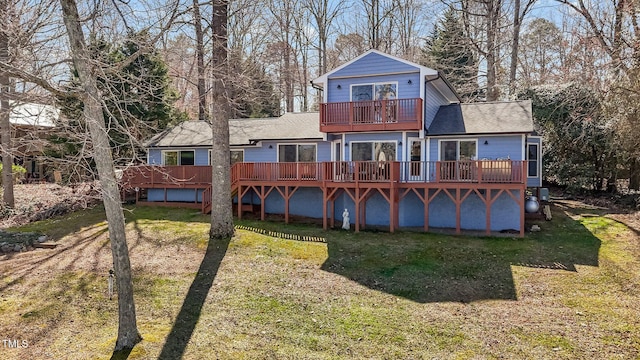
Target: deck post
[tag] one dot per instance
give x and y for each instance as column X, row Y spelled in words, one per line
column 488, row 204
column 522, row 202
column 426, row 202
column 458, row 206
column 324, row 208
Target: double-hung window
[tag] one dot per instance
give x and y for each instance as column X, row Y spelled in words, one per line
column 533, row 156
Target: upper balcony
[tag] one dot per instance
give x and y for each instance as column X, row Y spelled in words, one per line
column 374, row 115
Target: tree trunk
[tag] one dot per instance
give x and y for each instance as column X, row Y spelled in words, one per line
column 5, row 124
column 515, row 44
column 634, row 174
column 493, row 13
column 128, row 334
column 221, row 213
column 202, row 93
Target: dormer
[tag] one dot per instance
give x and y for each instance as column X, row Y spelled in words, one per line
column 380, row 92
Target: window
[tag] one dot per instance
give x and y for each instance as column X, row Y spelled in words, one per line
column 373, row 151
column 380, row 91
column 297, row 152
column 236, row 156
column 170, row 158
column 532, row 156
column 452, row 150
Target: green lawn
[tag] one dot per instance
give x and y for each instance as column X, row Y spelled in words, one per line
column 570, row 291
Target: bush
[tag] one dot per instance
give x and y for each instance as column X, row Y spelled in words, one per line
column 18, row 173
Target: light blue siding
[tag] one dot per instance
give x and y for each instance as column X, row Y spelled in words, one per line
column 505, row 213
column 175, row 195
column 155, row 157
column 500, row 147
column 262, row 154
column 374, row 63
column 299, row 204
column 508, row 146
column 266, row 154
column 405, row 90
column 432, row 102
column 370, row 137
column 201, row 155
column 536, row 181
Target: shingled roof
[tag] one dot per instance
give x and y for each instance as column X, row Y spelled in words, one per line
column 483, row 118
column 289, row 126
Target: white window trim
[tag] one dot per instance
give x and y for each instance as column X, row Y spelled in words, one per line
column 539, row 166
column 336, row 144
column 278, row 150
column 374, row 88
column 457, row 140
column 164, row 163
column 371, row 142
column 236, row 150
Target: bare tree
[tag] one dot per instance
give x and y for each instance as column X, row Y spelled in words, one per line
column 518, row 17
column 128, row 334
column 5, row 111
column 324, row 13
column 221, row 213
column 202, row 92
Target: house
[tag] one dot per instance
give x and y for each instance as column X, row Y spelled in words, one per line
column 31, row 124
column 392, row 144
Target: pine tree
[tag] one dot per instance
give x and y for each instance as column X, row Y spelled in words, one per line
column 137, row 96
column 448, row 50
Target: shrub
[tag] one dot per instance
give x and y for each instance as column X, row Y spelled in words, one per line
column 18, row 173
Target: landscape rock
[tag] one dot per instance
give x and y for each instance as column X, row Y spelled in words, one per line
column 42, row 238
column 535, row 228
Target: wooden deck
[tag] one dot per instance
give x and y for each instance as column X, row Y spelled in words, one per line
column 374, row 115
column 487, row 179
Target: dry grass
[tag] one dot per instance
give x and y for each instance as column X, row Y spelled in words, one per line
column 570, row 291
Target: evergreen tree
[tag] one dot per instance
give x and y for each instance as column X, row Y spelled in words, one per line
column 448, row 50
column 253, row 91
column 137, row 95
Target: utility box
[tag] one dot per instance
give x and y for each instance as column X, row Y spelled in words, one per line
column 544, row 194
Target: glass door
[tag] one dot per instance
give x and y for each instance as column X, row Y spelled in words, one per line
column 415, row 155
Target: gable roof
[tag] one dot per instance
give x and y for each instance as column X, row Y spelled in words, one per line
column 32, row 114
column 428, row 74
column 323, row 78
column 196, row 133
column 483, row 118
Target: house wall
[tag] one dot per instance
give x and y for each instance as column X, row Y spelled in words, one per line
column 432, row 102
column 201, row 155
column 376, row 62
column 405, row 90
column 536, row 181
column 265, row 154
column 505, row 213
column 508, row 146
column 369, row 137
column 175, row 195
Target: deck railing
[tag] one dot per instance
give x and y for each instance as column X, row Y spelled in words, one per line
column 173, row 176
column 397, row 114
column 476, row 171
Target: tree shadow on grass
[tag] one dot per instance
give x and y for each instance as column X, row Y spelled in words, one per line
column 437, row 268
column 187, row 318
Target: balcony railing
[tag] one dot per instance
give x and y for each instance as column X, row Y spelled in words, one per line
column 398, row 114
column 149, row 176
column 476, row 171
